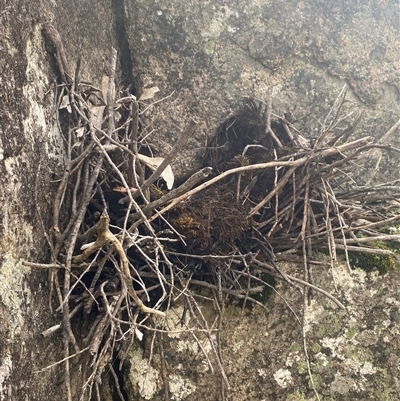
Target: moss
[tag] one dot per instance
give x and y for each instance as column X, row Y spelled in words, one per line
column 335, row 318
column 318, row 381
column 296, row 347
column 353, row 352
column 315, row 348
column 321, row 331
column 351, row 332
column 209, row 47
column 231, row 311
column 302, row 368
column 384, row 390
column 371, row 262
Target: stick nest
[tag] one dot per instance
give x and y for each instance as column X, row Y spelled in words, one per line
column 124, row 246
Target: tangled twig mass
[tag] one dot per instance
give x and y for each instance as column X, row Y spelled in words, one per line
column 125, row 244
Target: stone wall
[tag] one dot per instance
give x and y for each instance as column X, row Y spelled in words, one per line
column 206, row 56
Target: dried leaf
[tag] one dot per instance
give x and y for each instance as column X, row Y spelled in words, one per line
column 149, row 93
column 168, row 176
column 153, row 162
column 65, row 103
column 139, row 334
column 79, row 132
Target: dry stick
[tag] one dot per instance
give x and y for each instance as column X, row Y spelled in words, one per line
column 336, row 204
column 203, row 320
column 382, row 141
column 387, row 237
column 74, row 214
column 68, row 335
column 116, row 382
column 58, row 201
column 276, row 292
column 338, row 163
column 54, row 36
column 307, row 274
column 111, row 93
column 82, row 156
column 132, row 201
column 250, row 186
column 389, row 133
column 43, row 265
column 344, row 135
column 339, row 100
column 106, row 235
column 154, row 103
column 275, row 191
column 62, row 360
column 67, row 332
column 164, row 375
column 276, row 211
column 220, row 306
column 293, row 204
column 305, row 228
column 268, row 129
column 134, row 110
column 107, row 136
column 56, row 327
column 375, row 251
column 77, row 187
column 329, row 234
column 180, row 143
column 262, row 166
column 236, row 293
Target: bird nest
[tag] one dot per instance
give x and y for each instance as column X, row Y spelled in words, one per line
column 125, row 242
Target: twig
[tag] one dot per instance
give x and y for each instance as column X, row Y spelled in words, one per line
column 104, row 236
column 268, row 128
column 53, row 35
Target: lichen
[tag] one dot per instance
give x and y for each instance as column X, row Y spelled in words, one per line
column 295, row 347
column 142, row 375
column 351, row 332
column 209, row 47
column 385, row 388
column 315, row 348
column 180, row 387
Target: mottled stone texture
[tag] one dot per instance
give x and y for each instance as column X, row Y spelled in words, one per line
column 31, row 161
column 208, row 55
column 354, row 355
column 212, row 54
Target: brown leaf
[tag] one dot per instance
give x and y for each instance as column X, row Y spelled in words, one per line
column 149, row 93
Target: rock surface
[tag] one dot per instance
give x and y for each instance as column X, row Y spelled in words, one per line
column 206, row 56
column 210, row 56
column 354, row 355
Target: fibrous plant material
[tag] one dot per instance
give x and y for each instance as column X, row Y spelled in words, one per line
column 124, row 244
